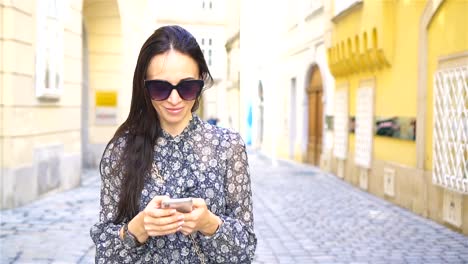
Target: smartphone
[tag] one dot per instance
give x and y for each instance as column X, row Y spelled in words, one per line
column 182, row 205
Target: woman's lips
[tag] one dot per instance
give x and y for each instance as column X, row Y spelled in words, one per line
column 174, row 110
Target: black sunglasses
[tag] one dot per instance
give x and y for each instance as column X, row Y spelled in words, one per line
column 160, row 90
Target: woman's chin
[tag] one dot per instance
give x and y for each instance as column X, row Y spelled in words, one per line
column 174, row 118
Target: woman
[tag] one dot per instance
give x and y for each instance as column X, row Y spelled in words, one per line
column 163, row 150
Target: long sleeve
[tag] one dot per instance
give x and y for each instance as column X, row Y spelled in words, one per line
column 234, row 241
column 105, row 234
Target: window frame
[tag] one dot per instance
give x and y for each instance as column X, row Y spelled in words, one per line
column 450, row 134
column 49, row 49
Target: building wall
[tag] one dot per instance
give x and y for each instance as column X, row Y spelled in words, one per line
column 392, row 59
column 41, row 138
column 262, row 46
column 40, row 146
column 115, row 32
column 279, row 51
column 443, row 43
column 399, row 75
column 102, row 22
column 205, row 20
column 232, row 46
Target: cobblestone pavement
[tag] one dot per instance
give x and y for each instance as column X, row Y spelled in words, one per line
column 301, row 216
column 54, row 229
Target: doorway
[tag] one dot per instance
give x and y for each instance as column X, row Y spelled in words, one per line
column 315, row 131
column 260, row 115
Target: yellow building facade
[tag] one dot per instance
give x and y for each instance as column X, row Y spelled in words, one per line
column 401, row 103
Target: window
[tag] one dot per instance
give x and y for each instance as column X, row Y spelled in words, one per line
column 450, row 141
column 341, row 122
column 209, row 42
column 314, row 5
column 364, row 124
column 211, row 5
column 209, row 57
column 203, row 41
column 310, row 7
column 49, row 53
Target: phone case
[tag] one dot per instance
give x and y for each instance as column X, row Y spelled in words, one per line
column 183, row 205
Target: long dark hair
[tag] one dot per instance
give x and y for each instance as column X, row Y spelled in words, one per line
column 142, row 127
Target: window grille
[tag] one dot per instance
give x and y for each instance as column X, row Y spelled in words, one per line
column 364, row 126
column 340, row 123
column 450, row 140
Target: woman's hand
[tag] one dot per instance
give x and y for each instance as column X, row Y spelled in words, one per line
column 200, row 219
column 158, row 221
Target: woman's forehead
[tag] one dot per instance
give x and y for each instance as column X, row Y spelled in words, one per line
column 172, row 66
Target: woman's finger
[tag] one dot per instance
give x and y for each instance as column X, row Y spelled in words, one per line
column 163, row 220
column 151, row 227
column 153, row 212
column 198, row 202
column 163, row 232
column 156, row 201
column 188, row 227
column 186, row 231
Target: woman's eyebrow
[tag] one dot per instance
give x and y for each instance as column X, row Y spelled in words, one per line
column 186, row 79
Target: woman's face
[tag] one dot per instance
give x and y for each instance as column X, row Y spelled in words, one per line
column 173, row 67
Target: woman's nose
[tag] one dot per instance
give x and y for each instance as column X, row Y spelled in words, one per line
column 174, row 97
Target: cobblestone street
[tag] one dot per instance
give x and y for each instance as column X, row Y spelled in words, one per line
column 301, row 216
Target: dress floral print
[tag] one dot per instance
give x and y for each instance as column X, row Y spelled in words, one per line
column 204, row 161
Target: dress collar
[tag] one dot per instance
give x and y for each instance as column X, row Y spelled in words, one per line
column 187, row 130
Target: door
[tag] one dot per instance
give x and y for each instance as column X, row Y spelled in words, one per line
column 292, row 118
column 315, row 134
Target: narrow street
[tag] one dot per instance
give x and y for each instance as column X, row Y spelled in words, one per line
column 301, row 216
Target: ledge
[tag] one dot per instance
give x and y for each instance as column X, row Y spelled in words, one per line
column 355, row 6
column 372, row 59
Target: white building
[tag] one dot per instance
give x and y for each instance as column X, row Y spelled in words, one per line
column 286, row 87
column 206, row 20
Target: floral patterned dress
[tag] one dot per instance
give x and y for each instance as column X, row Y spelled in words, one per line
column 204, row 161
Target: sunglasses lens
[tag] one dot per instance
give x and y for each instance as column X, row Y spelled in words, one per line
column 158, row 90
column 189, row 90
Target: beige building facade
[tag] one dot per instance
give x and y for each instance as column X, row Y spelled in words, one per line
column 40, row 99
column 233, row 65
column 65, row 79
column 66, row 82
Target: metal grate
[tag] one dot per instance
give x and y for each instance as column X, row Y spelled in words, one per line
column 341, row 124
column 364, row 125
column 450, row 141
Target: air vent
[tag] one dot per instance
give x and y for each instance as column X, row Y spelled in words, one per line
column 363, row 178
column 389, row 181
column 452, row 208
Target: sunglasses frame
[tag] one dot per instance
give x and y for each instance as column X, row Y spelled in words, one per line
column 176, row 87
